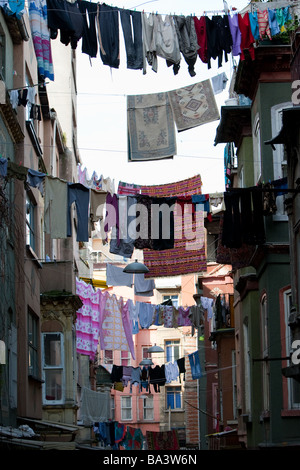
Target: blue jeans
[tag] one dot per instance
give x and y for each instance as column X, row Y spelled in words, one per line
column 133, row 43
column 108, row 27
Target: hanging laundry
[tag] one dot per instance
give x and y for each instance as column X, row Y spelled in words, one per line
column 263, row 24
column 183, row 316
column 170, row 316
column 81, row 196
column 149, row 52
column 162, row 440
column 207, row 304
column 254, row 24
column 273, row 23
column 144, row 379
column 131, row 22
column 236, row 257
column 133, row 315
column 195, row 365
column 116, row 373
column 97, row 205
column 41, row 37
column 171, row 371
column 162, row 223
column 116, row 277
column 165, row 41
column 219, row 83
column 112, row 334
column 128, row 188
column 112, row 213
column 127, row 326
column 3, row 167
column 120, row 432
column 235, row 34
column 87, row 320
column 133, row 439
column 126, row 377
column 123, row 235
column 142, row 286
column 36, row 179
column 196, row 317
column 202, row 202
column 14, row 7
column 157, row 377
column 151, row 130
column 193, row 105
column 187, row 39
column 95, row 406
column 181, row 366
column 247, row 39
column 188, row 254
column 200, row 27
column 56, row 198
column 135, row 377
column 219, row 39
column 283, row 15
column 145, row 314
column 89, row 36
column 143, row 238
column 243, row 218
column 108, row 34
column 65, row 16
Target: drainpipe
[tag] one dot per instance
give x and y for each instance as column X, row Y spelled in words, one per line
column 53, row 169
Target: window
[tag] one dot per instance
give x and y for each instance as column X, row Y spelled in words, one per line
column 108, row 356
column 293, row 385
column 174, row 299
column 172, row 350
column 33, row 345
column 174, row 398
column 30, row 222
column 125, row 358
column 279, row 157
column 247, row 361
column 53, row 367
column 146, row 354
column 148, row 411
column 257, row 151
column 265, row 353
column 2, row 55
column 112, row 406
column 126, row 408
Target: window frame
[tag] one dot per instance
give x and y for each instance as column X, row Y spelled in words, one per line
column 169, row 349
column 30, row 220
column 148, row 406
column 292, row 384
column 126, row 408
column 57, row 367
column 175, row 391
column 33, row 344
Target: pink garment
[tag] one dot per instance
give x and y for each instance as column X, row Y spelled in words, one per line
column 112, row 334
column 183, row 316
column 263, row 23
column 127, row 325
column 87, row 321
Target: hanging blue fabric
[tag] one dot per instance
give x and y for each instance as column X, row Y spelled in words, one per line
column 195, row 365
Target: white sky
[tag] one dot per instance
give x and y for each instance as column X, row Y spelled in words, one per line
column 102, row 119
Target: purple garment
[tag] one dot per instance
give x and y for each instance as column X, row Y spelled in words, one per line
column 235, row 33
column 127, row 327
column 112, row 214
column 183, row 317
